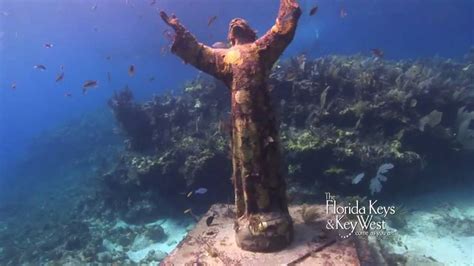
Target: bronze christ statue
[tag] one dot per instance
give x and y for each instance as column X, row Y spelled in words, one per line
column 263, row 222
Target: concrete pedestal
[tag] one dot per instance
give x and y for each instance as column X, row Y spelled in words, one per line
column 215, row 244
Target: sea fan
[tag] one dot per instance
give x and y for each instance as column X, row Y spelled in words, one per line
column 376, row 182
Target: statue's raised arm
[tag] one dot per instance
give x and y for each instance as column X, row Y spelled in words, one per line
column 185, row 45
column 274, row 42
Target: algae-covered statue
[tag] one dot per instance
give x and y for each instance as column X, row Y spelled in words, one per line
column 263, row 222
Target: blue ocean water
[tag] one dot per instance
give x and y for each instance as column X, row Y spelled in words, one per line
column 100, row 39
column 133, row 35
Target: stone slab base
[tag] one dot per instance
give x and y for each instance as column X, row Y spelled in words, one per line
column 215, row 244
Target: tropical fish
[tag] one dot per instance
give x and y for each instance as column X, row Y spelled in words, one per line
column 220, row 45
column 201, row 190
column 209, row 220
column 40, row 67
column 313, row 11
column 60, row 77
column 358, row 178
column 48, row 45
column 343, row 13
column 131, row 70
column 88, row 85
column 211, row 20
column 377, row 52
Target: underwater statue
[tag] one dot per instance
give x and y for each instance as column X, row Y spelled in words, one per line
column 263, row 222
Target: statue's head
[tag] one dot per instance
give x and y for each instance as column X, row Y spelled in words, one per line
column 240, row 32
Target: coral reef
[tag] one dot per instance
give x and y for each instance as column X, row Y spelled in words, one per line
column 339, row 116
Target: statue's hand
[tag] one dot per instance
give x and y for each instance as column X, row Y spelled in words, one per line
column 291, row 4
column 171, row 21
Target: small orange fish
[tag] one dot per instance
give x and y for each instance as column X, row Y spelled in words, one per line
column 60, row 77
column 313, row 11
column 131, row 70
column 187, row 211
column 211, row 20
column 189, row 194
column 343, row 13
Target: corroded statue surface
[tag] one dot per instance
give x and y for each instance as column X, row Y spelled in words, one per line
column 263, row 222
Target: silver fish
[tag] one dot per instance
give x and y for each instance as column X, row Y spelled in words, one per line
column 220, row 45
column 40, row 67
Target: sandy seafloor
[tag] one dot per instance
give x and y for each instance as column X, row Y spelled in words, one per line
column 142, row 246
column 439, row 227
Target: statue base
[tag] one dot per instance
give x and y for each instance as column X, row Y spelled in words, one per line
column 266, row 232
column 216, row 244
